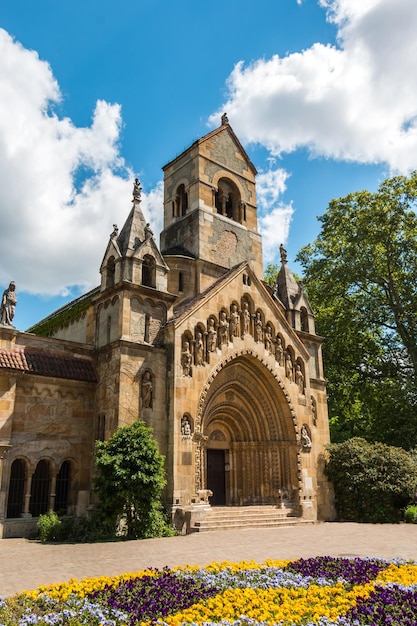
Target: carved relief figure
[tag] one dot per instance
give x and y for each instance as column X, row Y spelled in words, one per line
column 299, row 378
column 234, row 322
column 223, row 328
column 147, row 391
column 8, row 305
column 259, row 332
column 268, row 338
column 186, row 359
column 279, row 351
column 245, row 319
column 211, row 335
column 305, row 438
column 289, row 367
column 185, row 428
column 314, row 410
column 199, row 349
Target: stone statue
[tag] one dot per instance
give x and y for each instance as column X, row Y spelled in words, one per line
column 223, row 328
column 288, row 367
column 283, row 254
column 268, row 338
column 259, row 331
column 225, row 119
column 314, row 410
column 185, row 429
column 211, row 335
column 115, row 231
column 299, row 378
column 137, row 190
column 147, row 391
column 234, row 322
column 245, row 319
column 8, row 305
column 199, row 349
column 148, row 231
column 279, row 350
column 305, row 438
column 186, row 359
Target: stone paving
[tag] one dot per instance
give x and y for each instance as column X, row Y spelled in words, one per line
column 27, row 564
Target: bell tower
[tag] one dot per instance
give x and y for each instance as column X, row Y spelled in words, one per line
column 210, row 215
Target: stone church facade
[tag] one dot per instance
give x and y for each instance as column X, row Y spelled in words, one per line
column 225, row 369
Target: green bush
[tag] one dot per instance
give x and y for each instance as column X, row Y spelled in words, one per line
column 372, row 482
column 49, row 526
column 410, row 514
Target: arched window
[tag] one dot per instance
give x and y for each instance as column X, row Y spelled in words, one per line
column 148, row 271
column 181, row 202
column 227, row 200
column 62, row 487
column 16, row 488
column 304, row 319
column 111, row 269
column 41, row 483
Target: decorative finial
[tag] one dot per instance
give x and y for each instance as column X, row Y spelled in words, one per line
column 283, row 254
column 225, row 119
column 137, row 190
column 115, row 231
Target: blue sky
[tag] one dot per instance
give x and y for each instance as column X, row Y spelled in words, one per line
column 322, row 94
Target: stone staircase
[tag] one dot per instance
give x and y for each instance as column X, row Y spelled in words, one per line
column 240, row 517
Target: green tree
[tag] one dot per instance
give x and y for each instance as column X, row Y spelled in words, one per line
column 129, row 481
column 360, row 275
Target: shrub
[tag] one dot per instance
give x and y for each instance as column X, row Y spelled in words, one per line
column 48, row 526
column 372, row 482
column 410, row 514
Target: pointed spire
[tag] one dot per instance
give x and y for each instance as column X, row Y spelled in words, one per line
column 135, row 229
column 286, row 287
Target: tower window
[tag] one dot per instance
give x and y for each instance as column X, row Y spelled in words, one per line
column 227, row 200
column 148, row 271
column 111, row 270
column 180, row 204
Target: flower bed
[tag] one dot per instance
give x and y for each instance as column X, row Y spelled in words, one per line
column 322, row 591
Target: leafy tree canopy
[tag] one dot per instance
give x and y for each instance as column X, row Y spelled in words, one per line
column 360, row 275
column 130, row 478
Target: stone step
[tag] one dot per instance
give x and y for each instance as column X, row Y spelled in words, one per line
column 207, row 526
column 230, row 518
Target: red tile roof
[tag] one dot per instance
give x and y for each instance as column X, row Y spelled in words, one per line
column 47, row 364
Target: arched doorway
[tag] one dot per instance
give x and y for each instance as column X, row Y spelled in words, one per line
column 248, row 451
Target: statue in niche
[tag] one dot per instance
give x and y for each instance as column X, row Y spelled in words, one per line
column 8, row 305
column 234, row 322
column 147, row 391
column 305, row 438
column 314, row 410
column 259, row 331
column 245, row 319
column 223, row 328
column 289, row 367
column 268, row 338
column 211, row 335
column 185, row 428
column 186, row 359
column 279, row 351
column 199, row 349
column 299, row 377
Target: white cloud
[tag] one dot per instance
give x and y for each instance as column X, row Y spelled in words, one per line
column 274, row 217
column 356, row 101
column 54, row 234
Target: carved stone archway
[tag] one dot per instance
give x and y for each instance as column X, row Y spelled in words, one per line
column 245, row 410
